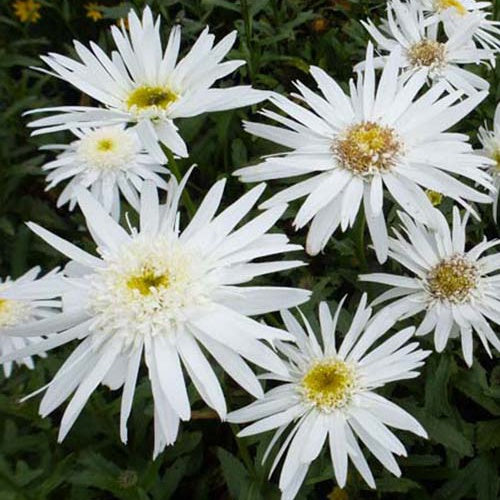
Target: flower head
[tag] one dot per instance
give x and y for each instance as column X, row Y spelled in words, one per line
column 93, row 11
column 457, row 290
column 329, row 395
column 146, row 85
column 166, row 293
column 28, row 11
column 456, row 15
column 24, row 300
column 352, row 147
column 490, row 139
column 422, row 49
column 108, row 161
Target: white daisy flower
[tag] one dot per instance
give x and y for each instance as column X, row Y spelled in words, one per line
column 353, row 146
column 144, row 85
column 328, row 395
column 26, row 299
column 490, row 139
column 421, row 47
column 455, row 14
column 167, row 293
column 108, row 161
column 458, row 290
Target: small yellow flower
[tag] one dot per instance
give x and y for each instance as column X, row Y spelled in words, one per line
column 27, row 10
column 434, row 197
column 93, row 11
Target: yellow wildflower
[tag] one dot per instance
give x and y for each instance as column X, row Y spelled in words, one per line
column 28, row 11
column 93, row 11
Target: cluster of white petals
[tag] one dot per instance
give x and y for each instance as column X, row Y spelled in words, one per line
column 177, row 297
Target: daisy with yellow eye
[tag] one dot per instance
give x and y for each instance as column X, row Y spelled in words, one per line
column 108, row 161
column 173, row 296
column 422, row 48
column 26, row 299
column 490, row 139
column 456, row 289
column 145, row 85
column 457, row 14
column 329, row 395
column 384, row 136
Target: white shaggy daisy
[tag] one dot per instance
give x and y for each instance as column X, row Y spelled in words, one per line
column 144, row 85
column 353, row 146
column 328, row 395
column 455, row 14
column 422, row 48
column 458, row 290
column 490, row 139
column 107, row 161
column 24, row 300
column 165, row 293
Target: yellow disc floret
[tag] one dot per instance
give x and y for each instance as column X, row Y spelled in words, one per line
column 427, row 53
column 148, row 280
column 367, row 148
column 147, row 97
column 453, row 279
column 329, row 384
column 451, row 4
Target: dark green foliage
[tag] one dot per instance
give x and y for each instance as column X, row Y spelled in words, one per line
column 460, row 408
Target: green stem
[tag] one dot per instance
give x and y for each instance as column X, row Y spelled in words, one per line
column 360, row 240
column 247, row 20
column 175, row 170
column 242, row 448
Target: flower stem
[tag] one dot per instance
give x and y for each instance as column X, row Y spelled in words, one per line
column 359, row 236
column 174, row 169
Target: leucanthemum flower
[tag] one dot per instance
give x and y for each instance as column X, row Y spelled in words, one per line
column 167, row 294
column 353, row 146
column 24, row 300
column 421, row 47
column 456, row 14
column 329, row 395
column 144, row 85
column 490, row 139
column 108, row 161
column 457, row 290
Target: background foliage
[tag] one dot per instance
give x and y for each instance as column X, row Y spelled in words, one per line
column 460, row 408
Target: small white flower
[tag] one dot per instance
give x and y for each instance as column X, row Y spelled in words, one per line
column 328, row 395
column 353, row 146
column 490, row 139
column 458, row 290
column 422, row 48
column 108, row 161
column 145, row 85
column 456, row 14
column 22, row 301
column 165, row 293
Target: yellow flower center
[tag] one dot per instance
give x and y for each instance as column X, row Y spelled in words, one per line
column 105, row 145
column 367, row 148
column 146, row 97
column 434, row 197
column 427, row 53
column 3, row 304
column 453, row 279
column 329, row 384
column 452, row 4
column 28, row 11
column 496, row 158
column 148, row 280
